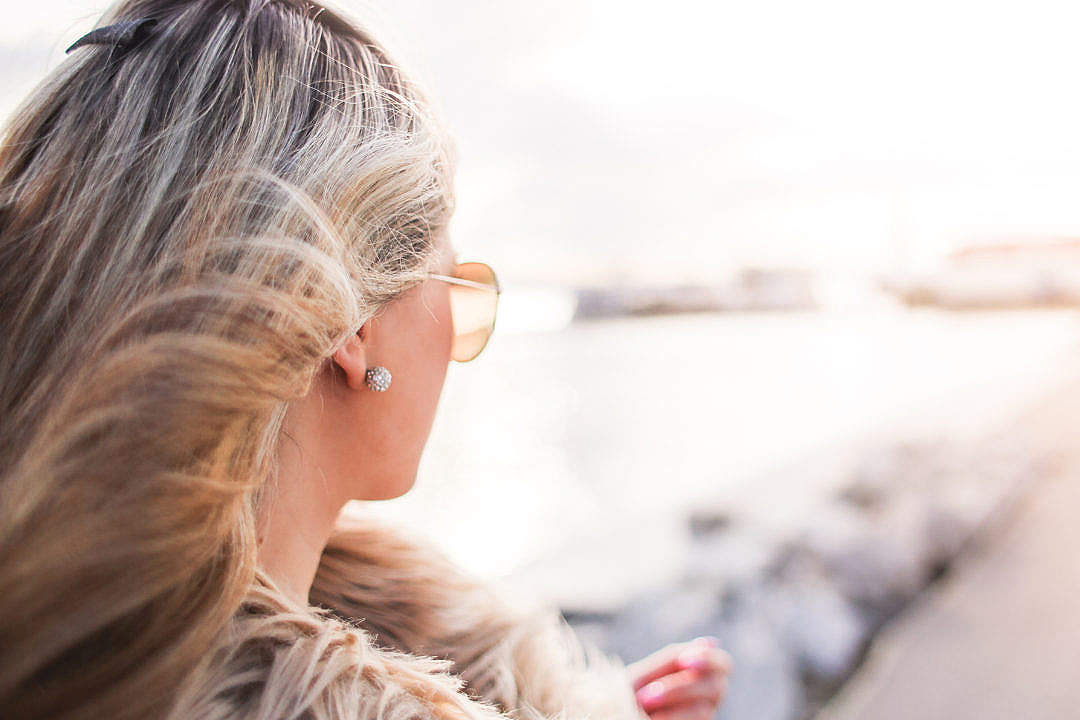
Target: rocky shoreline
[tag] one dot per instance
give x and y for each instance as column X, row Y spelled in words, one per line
column 797, row 607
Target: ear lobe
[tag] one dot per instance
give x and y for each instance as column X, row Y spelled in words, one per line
column 352, row 359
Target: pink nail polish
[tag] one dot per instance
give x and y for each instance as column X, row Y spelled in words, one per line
column 698, row 664
column 650, row 692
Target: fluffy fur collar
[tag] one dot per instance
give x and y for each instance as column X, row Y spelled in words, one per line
column 398, row 632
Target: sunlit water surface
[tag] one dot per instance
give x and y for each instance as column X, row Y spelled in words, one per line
column 568, row 459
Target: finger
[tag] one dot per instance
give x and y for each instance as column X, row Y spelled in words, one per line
column 681, row 687
column 706, row 659
column 710, row 706
column 702, row 664
column 662, row 662
column 688, row 711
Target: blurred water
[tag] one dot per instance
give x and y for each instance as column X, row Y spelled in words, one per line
column 593, row 441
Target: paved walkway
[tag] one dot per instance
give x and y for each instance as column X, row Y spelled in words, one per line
column 999, row 637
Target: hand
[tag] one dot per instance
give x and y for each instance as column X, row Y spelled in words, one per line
column 683, row 681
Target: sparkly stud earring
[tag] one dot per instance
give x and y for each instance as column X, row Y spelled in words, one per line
column 377, row 378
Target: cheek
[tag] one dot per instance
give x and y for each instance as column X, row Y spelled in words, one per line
column 432, row 357
column 413, row 398
column 438, row 338
column 444, row 328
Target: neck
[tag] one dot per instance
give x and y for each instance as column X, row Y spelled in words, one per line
column 295, row 525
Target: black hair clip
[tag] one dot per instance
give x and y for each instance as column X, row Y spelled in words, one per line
column 124, row 34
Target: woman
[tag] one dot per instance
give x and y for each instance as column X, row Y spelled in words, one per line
column 228, row 302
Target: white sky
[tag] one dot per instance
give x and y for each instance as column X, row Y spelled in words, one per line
column 686, row 137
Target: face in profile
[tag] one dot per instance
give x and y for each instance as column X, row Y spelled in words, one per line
column 366, row 444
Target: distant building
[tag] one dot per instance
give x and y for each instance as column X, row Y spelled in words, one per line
column 1004, row 275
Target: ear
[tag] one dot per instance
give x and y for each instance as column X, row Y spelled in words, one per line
column 352, row 359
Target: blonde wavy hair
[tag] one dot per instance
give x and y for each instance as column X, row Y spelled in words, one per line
column 188, row 229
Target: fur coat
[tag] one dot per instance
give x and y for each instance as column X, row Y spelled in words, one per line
column 398, row 632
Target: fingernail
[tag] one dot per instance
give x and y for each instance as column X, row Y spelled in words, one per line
column 711, row 639
column 692, row 659
column 698, row 664
column 650, row 692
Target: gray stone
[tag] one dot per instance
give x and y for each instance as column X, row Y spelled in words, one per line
column 823, row 632
column 664, row 616
column 765, row 682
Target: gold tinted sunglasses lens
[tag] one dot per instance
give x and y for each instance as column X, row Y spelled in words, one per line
column 472, row 310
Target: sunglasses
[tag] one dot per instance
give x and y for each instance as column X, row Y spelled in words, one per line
column 474, row 297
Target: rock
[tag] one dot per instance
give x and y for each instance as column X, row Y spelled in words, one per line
column 766, row 682
column 728, row 560
column 703, row 523
column 877, row 565
column 664, row 616
column 824, row 633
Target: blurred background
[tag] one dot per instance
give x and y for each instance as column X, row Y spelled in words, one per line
column 788, row 351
